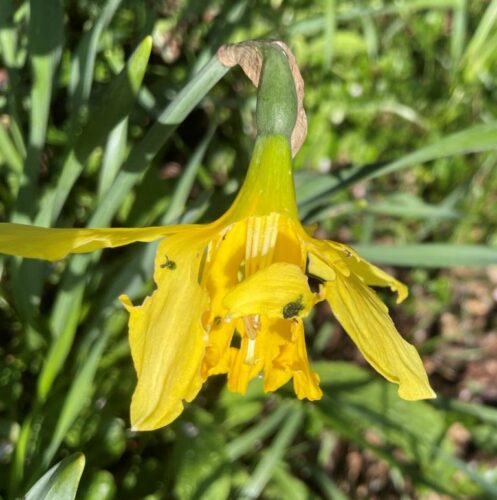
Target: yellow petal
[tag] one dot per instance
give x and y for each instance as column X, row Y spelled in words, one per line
column 305, row 381
column 318, row 268
column 240, row 372
column 366, row 320
column 277, row 291
column 327, row 258
column 289, row 247
column 217, row 353
column 166, row 336
column 222, row 264
column 53, row 243
column 266, row 346
column 275, row 334
column 370, row 274
column 289, row 361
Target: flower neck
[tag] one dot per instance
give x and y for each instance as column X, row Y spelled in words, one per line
column 268, row 186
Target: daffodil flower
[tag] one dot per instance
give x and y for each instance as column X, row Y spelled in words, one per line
column 231, row 296
column 243, row 278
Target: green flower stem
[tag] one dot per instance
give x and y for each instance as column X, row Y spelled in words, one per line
column 276, row 112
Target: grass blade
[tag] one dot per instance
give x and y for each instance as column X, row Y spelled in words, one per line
column 472, row 140
column 45, row 33
column 64, row 321
column 184, row 187
column 12, row 59
column 155, row 138
column 475, row 139
column 114, row 155
column 84, row 60
column 8, row 34
column 76, row 398
column 245, row 442
column 458, row 32
column 46, row 23
column 267, row 466
column 437, row 255
column 9, row 153
column 476, row 50
column 119, row 98
column 398, row 205
column 60, row 482
column 329, row 489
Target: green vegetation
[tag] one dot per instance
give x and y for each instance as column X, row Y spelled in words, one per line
column 102, row 125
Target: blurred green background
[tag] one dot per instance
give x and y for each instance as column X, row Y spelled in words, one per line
column 399, row 162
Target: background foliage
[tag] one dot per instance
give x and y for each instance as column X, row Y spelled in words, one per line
column 399, row 161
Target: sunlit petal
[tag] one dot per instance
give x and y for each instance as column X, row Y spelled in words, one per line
column 366, row 320
column 289, row 247
column 279, row 290
column 240, row 372
column 305, row 381
column 318, row 268
column 166, row 335
column 217, row 356
column 370, row 274
column 55, row 243
column 223, row 260
column 275, row 335
column 287, row 341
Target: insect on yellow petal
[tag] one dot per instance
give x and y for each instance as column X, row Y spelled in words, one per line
column 280, row 290
column 166, row 336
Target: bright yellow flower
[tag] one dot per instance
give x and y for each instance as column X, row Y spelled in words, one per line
column 241, row 280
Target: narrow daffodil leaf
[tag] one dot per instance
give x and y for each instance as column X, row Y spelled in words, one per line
column 436, row 255
column 478, row 138
column 46, row 36
column 117, row 102
column 155, row 138
column 78, row 396
column 82, row 67
column 60, row 482
column 269, row 461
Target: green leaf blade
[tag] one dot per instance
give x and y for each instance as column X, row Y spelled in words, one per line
column 61, row 481
column 432, row 255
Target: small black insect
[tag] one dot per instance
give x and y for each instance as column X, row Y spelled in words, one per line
column 169, row 264
column 292, row 309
